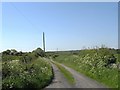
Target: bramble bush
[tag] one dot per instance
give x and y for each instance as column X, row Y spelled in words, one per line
column 36, row 74
column 29, row 71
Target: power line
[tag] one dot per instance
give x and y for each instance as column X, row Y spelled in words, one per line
column 26, row 18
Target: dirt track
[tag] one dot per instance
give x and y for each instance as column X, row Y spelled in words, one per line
column 59, row 80
column 81, row 81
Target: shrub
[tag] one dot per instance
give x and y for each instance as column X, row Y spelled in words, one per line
column 36, row 74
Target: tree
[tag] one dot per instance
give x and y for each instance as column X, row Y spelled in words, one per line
column 13, row 52
column 39, row 52
column 7, row 52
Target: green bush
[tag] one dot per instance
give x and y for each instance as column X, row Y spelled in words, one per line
column 36, row 74
column 39, row 52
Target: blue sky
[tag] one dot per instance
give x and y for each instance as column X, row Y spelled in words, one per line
column 67, row 26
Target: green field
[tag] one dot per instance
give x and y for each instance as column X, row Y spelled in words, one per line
column 99, row 64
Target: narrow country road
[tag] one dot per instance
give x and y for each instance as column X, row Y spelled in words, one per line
column 59, row 80
column 81, row 81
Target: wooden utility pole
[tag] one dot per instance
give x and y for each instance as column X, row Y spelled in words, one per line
column 43, row 41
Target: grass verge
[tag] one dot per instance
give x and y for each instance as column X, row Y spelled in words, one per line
column 65, row 72
column 96, row 64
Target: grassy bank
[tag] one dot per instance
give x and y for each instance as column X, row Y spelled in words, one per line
column 99, row 64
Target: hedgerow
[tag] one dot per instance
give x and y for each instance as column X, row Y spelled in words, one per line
column 100, row 64
column 30, row 71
